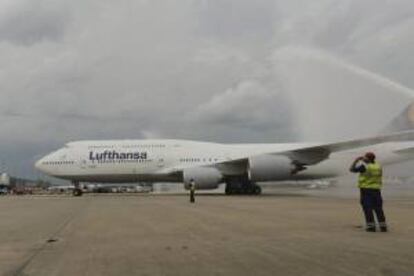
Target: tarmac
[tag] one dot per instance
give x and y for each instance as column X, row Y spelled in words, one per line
column 278, row 233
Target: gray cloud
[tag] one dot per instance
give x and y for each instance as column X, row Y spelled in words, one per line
column 237, row 20
column 244, row 71
column 25, row 22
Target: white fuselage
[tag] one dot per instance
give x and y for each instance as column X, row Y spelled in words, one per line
column 117, row 161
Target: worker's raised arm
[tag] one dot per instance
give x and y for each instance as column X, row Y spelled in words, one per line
column 353, row 167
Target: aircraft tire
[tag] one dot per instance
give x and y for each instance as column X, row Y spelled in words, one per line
column 257, row 190
column 77, row 192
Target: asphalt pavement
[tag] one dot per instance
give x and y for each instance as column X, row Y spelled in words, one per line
column 273, row 234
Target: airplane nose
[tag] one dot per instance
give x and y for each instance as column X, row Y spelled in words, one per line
column 38, row 165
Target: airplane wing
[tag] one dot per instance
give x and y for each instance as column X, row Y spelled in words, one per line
column 308, row 155
column 317, row 153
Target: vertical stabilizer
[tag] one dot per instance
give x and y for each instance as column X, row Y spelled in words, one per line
column 404, row 121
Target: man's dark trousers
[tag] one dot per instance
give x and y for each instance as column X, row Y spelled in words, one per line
column 371, row 202
column 192, row 196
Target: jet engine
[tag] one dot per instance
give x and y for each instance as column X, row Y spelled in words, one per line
column 205, row 178
column 271, row 168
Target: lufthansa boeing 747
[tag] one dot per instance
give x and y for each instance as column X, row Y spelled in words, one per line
column 239, row 166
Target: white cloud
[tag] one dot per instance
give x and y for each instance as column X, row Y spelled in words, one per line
column 248, row 103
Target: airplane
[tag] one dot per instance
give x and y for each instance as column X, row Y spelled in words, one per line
column 239, row 166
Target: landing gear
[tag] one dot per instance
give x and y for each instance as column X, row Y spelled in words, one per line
column 257, row 190
column 242, row 186
column 77, row 191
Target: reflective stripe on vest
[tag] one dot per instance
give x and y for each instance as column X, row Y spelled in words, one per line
column 372, row 177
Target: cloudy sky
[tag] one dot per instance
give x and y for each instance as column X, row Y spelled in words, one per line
column 223, row 70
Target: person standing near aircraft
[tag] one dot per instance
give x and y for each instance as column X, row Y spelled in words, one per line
column 192, row 191
column 370, row 184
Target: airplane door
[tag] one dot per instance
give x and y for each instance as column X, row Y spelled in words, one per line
column 83, row 163
column 160, row 162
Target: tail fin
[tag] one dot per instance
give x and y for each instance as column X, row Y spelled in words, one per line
column 403, row 122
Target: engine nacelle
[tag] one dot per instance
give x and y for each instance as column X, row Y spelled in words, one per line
column 204, row 178
column 270, row 168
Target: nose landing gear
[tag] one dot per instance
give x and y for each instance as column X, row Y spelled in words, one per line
column 77, row 191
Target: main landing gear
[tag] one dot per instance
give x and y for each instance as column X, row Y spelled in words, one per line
column 242, row 186
column 77, row 191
